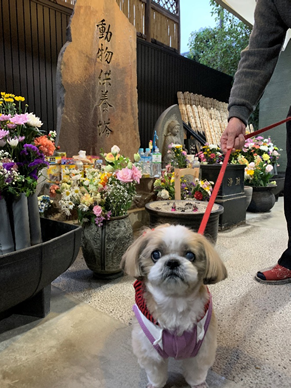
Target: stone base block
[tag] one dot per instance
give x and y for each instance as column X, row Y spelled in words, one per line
column 234, row 210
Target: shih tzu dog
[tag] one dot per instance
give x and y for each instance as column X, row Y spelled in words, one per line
column 173, row 305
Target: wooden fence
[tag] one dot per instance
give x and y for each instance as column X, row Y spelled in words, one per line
column 153, row 19
column 32, row 33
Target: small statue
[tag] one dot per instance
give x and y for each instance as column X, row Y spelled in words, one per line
column 172, row 136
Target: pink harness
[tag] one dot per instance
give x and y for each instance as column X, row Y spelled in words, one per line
column 169, row 344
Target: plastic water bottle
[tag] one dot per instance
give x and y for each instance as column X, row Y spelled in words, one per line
column 156, row 163
column 196, row 164
column 147, row 164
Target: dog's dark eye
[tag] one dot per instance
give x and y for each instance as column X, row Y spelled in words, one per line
column 190, row 256
column 156, row 255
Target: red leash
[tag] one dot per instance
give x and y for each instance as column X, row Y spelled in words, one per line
column 221, row 175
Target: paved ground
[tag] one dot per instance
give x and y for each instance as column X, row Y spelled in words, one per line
column 85, row 340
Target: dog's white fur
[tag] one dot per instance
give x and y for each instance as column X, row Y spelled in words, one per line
column 175, row 301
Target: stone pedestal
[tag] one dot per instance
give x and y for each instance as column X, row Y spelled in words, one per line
column 231, row 194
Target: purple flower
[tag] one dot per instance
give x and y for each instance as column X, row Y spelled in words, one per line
column 38, row 162
column 8, row 166
column 33, row 174
column 30, row 147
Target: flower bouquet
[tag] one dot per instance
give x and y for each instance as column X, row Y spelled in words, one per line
column 258, row 173
column 197, row 189
column 103, row 194
column 24, row 147
column 178, row 156
column 210, row 154
column 258, row 146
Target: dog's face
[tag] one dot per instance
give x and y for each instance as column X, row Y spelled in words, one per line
column 173, row 259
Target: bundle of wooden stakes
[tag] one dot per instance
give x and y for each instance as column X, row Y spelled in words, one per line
column 205, row 115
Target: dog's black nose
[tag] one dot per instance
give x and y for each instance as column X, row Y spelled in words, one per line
column 172, row 263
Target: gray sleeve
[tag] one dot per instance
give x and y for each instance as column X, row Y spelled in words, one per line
column 257, row 61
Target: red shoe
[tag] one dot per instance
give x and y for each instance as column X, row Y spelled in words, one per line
column 274, row 275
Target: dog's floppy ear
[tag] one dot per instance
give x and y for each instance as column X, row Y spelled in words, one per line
column 130, row 260
column 215, row 269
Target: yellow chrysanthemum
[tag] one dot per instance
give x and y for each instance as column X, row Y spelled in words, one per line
column 250, row 172
column 266, row 157
column 8, row 99
column 87, row 200
column 19, row 98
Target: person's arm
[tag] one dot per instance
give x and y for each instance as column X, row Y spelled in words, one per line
column 255, row 69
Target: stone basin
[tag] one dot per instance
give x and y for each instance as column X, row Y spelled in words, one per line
column 26, row 274
column 185, row 212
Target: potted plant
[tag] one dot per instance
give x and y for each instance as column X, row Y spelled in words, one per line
column 102, row 199
column 23, row 148
column 258, row 174
column 33, row 252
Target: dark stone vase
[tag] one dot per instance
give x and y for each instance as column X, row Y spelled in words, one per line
column 6, row 236
column 21, row 222
column 104, row 246
column 263, row 199
column 34, row 220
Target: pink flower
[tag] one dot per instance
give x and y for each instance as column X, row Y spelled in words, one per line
column 136, row 174
column 125, row 175
column 5, row 117
column 3, row 133
column 20, row 119
column 97, row 210
column 11, row 126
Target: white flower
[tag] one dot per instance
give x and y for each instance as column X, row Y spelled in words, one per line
column 115, row 149
column 66, row 194
column 53, row 134
column 34, row 121
column 83, row 207
column 164, row 194
column 269, row 168
column 264, row 148
column 13, row 142
column 76, row 177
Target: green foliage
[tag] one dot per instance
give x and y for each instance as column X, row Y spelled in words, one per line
column 220, row 47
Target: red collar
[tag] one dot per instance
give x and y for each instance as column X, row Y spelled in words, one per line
column 141, row 303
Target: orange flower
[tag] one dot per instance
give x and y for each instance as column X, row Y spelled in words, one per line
column 53, row 189
column 45, row 145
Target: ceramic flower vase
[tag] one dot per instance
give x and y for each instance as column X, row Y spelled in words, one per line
column 263, row 199
column 34, row 220
column 21, row 222
column 104, row 246
column 6, row 236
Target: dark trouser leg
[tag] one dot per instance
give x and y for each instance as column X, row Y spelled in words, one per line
column 285, row 259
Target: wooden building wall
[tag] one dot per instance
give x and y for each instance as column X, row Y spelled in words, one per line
column 32, row 33
column 31, row 36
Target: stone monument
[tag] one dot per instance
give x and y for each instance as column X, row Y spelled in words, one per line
column 169, row 129
column 97, row 81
